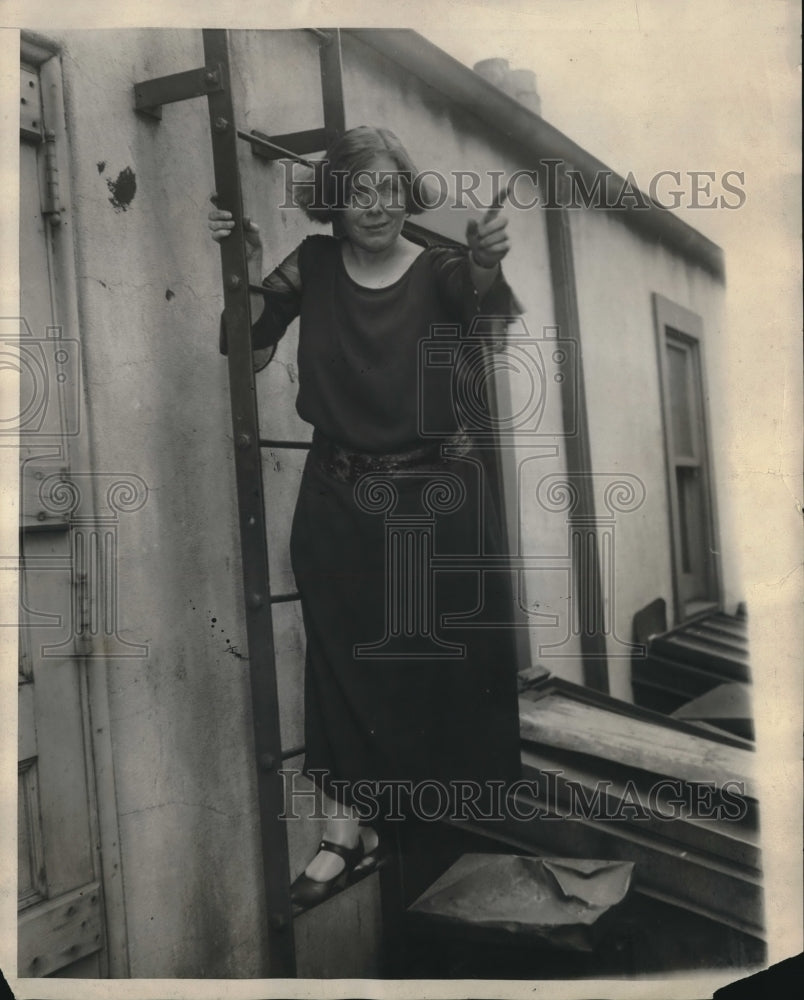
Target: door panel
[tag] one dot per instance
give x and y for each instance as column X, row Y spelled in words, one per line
column 60, row 899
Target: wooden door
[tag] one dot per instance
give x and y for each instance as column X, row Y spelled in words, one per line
column 60, row 895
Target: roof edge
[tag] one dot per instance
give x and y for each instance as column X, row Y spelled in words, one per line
column 533, row 134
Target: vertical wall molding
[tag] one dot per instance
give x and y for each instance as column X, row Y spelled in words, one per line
column 586, row 576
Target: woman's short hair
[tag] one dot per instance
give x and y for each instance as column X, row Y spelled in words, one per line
column 352, row 152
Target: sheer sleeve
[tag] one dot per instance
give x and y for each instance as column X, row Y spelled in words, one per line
column 282, row 299
column 454, row 279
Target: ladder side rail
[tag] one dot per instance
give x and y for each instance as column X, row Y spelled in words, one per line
column 251, row 511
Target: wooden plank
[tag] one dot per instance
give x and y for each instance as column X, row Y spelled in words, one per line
column 730, row 840
column 677, row 678
column 561, row 722
column 701, row 653
column 621, row 709
column 716, row 637
column 60, row 931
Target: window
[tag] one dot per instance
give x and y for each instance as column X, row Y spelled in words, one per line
column 689, row 480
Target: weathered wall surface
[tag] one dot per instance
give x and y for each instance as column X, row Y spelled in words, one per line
column 617, row 273
column 148, row 289
column 149, row 294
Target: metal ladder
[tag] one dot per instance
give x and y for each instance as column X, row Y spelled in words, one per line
column 212, row 80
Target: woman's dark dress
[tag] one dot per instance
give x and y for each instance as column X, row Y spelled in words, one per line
column 393, row 717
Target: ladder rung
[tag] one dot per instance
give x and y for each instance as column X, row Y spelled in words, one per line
column 268, row 443
column 293, row 752
column 260, row 142
column 285, row 598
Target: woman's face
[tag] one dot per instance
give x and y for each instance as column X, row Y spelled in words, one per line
column 376, row 210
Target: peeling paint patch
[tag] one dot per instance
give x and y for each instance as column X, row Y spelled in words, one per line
column 123, row 189
column 101, row 165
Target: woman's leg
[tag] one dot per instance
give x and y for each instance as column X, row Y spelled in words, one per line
column 342, row 829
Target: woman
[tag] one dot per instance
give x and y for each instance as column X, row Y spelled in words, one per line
column 387, row 708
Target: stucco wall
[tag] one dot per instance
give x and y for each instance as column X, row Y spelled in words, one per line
column 148, row 290
column 617, row 271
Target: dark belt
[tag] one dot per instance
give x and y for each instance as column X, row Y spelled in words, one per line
column 348, row 466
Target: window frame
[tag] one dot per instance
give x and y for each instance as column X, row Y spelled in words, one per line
column 675, row 323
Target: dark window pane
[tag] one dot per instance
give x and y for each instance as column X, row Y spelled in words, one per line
column 692, row 530
column 678, row 360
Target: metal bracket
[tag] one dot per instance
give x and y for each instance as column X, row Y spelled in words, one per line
column 150, row 95
column 40, row 511
column 30, row 106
